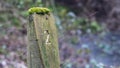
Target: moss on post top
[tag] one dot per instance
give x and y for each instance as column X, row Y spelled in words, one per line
column 39, row 10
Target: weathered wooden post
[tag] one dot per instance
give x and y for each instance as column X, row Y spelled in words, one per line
column 42, row 39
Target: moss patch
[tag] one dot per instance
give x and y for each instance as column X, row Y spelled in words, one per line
column 39, row 10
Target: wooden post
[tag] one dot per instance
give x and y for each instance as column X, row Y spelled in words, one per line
column 42, row 41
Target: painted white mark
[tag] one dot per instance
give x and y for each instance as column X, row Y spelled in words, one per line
column 48, row 37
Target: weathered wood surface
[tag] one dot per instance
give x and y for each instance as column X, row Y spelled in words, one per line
column 42, row 42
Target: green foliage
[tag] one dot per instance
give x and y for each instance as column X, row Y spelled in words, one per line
column 81, row 21
column 62, row 11
column 94, row 26
column 15, row 21
column 25, row 4
column 72, row 22
column 24, row 13
column 86, row 26
column 81, row 24
column 38, row 10
column 38, row 3
column 3, row 17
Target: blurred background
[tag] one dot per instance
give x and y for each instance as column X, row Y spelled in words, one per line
column 88, row 30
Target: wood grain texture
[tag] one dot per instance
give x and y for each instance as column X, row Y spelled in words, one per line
column 42, row 42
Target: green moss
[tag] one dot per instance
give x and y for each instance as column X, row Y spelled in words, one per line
column 39, row 10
